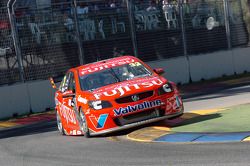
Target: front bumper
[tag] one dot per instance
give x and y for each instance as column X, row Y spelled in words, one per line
column 179, row 113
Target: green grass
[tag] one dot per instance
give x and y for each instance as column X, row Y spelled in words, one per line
column 234, row 119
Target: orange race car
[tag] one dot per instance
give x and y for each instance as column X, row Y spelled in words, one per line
column 112, row 95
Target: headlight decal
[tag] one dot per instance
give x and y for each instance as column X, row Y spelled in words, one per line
column 99, row 104
column 166, row 88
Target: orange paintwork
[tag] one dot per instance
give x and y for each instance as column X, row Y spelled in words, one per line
column 169, row 103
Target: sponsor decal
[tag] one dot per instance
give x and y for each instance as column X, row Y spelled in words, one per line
column 178, row 102
column 107, row 65
column 67, row 113
column 75, row 132
column 173, row 103
column 87, row 112
column 127, row 88
column 82, row 100
column 137, row 107
column 100, row 122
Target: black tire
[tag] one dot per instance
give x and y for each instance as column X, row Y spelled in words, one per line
column 59, row 124
column 83, row 124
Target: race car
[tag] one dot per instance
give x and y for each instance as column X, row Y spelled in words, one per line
column 112, row 95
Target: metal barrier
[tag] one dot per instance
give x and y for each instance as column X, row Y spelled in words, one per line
column 53, row 37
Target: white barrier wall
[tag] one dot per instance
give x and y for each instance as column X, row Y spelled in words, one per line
column 212, row 65
column 241, row 57
column 176, row 69
column 37, row 96
column 14, row 100
column 41, row 95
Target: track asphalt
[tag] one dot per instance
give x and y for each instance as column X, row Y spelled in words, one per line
column 218, row 125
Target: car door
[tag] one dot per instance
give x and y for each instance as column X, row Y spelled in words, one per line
column 67, row 96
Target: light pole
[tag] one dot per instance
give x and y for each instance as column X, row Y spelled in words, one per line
column 78, row 35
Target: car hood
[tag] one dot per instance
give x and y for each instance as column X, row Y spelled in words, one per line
column 128, row 87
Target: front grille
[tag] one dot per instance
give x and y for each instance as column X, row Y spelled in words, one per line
column 129, row 99
column 137, row 117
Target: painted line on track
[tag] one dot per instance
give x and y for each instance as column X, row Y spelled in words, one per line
column 223, row 137
column 203, row 137
column 147, row 134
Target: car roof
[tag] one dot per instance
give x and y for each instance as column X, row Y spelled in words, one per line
column 107, row 63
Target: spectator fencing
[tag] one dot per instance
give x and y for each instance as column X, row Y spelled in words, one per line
column 54, row 37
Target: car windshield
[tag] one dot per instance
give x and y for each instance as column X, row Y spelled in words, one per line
column 113, row 75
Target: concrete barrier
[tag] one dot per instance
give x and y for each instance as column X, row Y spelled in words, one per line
column 212, row 65
column 14, row 100
column 41, row 95
column 176, row 69
column 37, row 96
column 241, row 57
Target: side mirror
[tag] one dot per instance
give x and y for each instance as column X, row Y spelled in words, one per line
column 159, row 71
column 52, row 83
column 68, row 93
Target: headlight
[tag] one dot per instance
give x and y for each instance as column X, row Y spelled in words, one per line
column 166, row 88
column 99, row 104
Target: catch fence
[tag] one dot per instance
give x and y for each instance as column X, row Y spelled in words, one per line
column 53, row 36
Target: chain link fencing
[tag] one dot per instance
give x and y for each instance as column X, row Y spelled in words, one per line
column 9, row 72
column 56, row 36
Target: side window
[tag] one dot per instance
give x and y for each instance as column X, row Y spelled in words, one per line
column 64, row 86
column 71, row 85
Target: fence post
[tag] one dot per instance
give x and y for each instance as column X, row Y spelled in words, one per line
column 14, row 34
column 132, row 27
column 78, row 35
column 227, row 23
column 184, row 40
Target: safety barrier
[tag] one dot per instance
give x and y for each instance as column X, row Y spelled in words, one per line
column 176, row 69
column 38, row 96
column 14, row 100
column 241, row 59
column 25, row 98
column 211, row 65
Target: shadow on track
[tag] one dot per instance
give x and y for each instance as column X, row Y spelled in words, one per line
column 196, row 119
column 37, row 128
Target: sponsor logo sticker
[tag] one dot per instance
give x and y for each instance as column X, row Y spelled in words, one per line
column 100, row 122
column 127, row 88
column 137, row 107
column 82, row 100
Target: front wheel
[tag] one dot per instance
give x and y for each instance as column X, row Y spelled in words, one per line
column 83, row 124
column 59, row 123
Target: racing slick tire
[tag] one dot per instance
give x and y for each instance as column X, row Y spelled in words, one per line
column 59, row 124
column 83, row 124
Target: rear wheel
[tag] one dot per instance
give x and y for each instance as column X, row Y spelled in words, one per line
column 83, row 124
column 59, row 124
